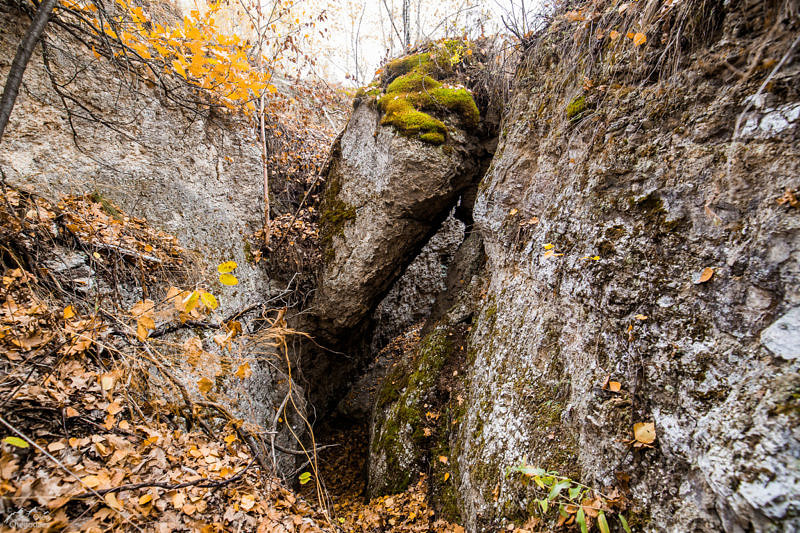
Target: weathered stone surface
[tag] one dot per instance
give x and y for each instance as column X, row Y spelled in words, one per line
column 658, row 199
column 783, row 337
column 412, row 296
column 650, row 183
column 191, row 175
column 391, row 194
column 387, row 195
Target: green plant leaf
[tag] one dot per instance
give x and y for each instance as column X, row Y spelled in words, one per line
column 580, row 518
column 624, row 523
column 16, row 441
column 544, row 505
column 305, row 477
column 527, row 470
column 574, row 492
column 602, row 523
column 538, row 481
column 557, row 488
column 562, row 511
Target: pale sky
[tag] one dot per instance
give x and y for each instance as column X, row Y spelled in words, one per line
column 362, row 29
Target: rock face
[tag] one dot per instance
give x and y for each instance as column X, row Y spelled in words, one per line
column 196, row 177
column 386, row 196
column 606, row 202
column 412, row 297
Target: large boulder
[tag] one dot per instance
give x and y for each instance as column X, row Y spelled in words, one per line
column 395, row 175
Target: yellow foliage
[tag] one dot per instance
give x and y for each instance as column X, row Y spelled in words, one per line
column 194, row 49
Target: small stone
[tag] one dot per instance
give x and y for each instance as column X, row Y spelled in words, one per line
column 782, row 338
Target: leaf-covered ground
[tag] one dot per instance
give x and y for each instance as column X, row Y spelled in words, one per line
column 92, row 440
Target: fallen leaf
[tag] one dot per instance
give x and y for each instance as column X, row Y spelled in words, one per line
column 107, row 382
column 639, row 39
column 640, row 317
column 228, row 279
column 112, row 501
column 705, row 275
column 16, row 441
column 56, row 446
column 248, row 501
column 90, row 481
column 644, row 432
column 788, row 198
column 205, row 385
column 244, row 372
column 209, row 300
column 227, row 267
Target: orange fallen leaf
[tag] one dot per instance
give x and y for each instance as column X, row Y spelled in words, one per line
column 113, row 502
column 244, row 372
column 644, row 432
column 107, row 382
column 639, row 39
column 705, row 275
column 205, row 385
column 56, row 446
column 788, row 198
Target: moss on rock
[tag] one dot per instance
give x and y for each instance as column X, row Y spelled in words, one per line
column 576, row 108
column 334, row 213
column 399, row 440
column 413, row 88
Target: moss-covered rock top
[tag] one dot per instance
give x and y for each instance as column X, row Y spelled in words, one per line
column 411, row 91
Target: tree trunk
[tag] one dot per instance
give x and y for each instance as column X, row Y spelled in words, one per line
column 24, row 52
column 406, row 24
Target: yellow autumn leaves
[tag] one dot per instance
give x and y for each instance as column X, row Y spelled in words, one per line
column 194, row 49
column 225, row 276
column 189, row 305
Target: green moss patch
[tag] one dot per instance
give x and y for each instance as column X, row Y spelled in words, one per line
column 576, row 108
column 414, row 89
column 334, row 214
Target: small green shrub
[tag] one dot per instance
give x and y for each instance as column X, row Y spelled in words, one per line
column 573, row 500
